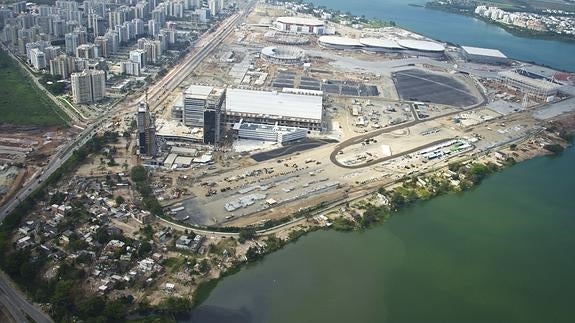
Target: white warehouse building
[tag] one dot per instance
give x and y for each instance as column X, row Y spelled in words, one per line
column 300, row 25
column 266, row 132
column 275, row 108
column 484, row 55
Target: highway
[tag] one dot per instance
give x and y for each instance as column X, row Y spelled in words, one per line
column 170, row 82
column 17, row 305
column 10, row 296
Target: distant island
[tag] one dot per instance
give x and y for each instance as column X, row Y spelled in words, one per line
column 527, row 21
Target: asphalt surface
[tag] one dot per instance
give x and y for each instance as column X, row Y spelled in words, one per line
column 17, row 304
column 289, row 149
column 418, row 85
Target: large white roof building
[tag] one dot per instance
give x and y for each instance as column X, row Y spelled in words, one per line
column 285, row 109
column 484, row 55
column 339, row 42
column 421, row 45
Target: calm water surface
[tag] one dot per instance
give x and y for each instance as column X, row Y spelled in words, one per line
column 501, row 253
column 460, row 30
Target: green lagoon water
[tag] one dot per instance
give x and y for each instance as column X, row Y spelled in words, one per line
column 500, row 253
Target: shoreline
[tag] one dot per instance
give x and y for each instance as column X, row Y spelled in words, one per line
column 378, row 215
column 367, row 215
column 515, row 31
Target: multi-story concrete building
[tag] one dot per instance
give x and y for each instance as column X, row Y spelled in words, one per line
column 87, row 51
column 72, row 41
column 104, row 46
column 202, row 109
column 300, row 25
column 275, row 108
column 146, row 131
column 138, row 56
column 88, row 86
column 265, row 132
column 37, row 58
column 153, row 49
column 130, row 68
column 138, row 26
column 51, row 52
column 62, row 66
column 153, row 28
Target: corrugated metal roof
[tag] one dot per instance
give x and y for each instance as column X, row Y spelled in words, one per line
column 276, row 104
column 483, row 51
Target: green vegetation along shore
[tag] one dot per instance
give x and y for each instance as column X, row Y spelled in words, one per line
column 21, row 102
column 467, row 9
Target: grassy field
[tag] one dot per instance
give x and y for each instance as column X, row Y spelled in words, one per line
column 21, row 102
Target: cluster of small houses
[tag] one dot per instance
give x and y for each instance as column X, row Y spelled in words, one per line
column 113, row 262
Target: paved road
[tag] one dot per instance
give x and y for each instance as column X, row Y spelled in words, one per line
column 162, row 90
column 9, row 295
column 375, row 133
column 17, row 304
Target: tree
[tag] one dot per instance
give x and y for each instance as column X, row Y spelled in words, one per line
column 253, row 254
column 115, row 311
column 91, row 306
column 61, row 300
column 370, row 216
column 102, row 236
column 397, row 199
column 176, row 304
column 138, row 174
column 147, row 232
column 145, row 248
column 204, row 266
column 119, row 200
column 247, row 234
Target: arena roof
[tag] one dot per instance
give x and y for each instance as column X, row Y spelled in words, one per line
column 283, row 52
column 380, row 42
column 422, row 45
column 483, row 51
column 274, row 104
column 301, row 21
column 339, row 41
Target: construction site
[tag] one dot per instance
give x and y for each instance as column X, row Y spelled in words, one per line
column 364, row 108
column 23, row 154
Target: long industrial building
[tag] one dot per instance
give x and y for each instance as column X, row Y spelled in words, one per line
column 484, row 55
column 266, row 132
column 274, row 108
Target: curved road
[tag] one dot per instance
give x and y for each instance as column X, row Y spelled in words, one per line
column 358, row 139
